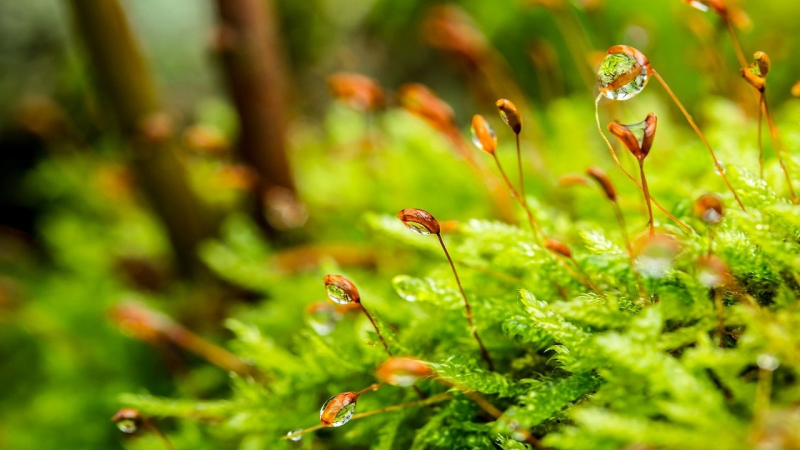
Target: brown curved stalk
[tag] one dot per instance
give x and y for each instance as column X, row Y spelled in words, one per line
column 760, row 145
column 155, row 430
column 647, row 197
column 500, row 199
column 717, row 165
column 629, row 248
column 776, row 139
column 737, row 48
column 377, row 330
column 519, row 168
column 535, row 227
column 428, row 401
column 625, row 171
column 473, row 329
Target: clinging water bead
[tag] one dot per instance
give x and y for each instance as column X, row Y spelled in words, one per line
column 709, row 208
column 419, row 221
column 483, row 135
column 341, row 290
column 623, row 73
column 128, row 420
column 510, row 115
column 338, row 410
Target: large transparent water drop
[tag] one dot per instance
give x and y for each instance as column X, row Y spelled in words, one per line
column 621, row 77
column 295, row 435
column 338, row 410
column 338, row 295
column 127, row 426
column 409, row 288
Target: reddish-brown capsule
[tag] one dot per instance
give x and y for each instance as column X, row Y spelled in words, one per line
column 421, row 101
column 402, row 371
column 140, row 322
column 357, row 90
column 341, row 290
column 419, row 221
column 572, row 180
column 338, row 410
column 510, row 115
column 709, row 208
column 483, row 135
column 637, row 137
column 602, row 179
column 451, row 30
column 558, row 247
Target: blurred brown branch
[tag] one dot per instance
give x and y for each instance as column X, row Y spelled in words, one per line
column 248, row 43
column 131, row 94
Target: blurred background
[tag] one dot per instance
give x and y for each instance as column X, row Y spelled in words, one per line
column 198, row 157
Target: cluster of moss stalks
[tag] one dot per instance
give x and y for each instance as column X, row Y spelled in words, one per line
column 551, row 329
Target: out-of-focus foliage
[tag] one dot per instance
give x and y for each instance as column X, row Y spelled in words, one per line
column 578, row 369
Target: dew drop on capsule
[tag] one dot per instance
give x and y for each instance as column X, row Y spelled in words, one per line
column 337, row 294
column 417, row 227
column 698, row 5
column 621, row 77
column 127, row 426
column 295, row 435
column 338, row 410
column 767, row 362
column 477, row 140
column 341, row 290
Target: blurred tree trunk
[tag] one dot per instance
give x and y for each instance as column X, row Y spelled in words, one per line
column 248, row 43
column 131, row 94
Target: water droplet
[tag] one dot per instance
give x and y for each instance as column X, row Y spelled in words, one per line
column 341, row 290
column 711, row 216
column 409, row 288
column 655, row 255
column 720, row 168
column 698, row 5
column 709, row 208
column 294, row 436
column 338, row 295
column 419, row 221
column 322, row 317
column 510, row 114
column 621, row 77
column 127, row 426
column 709, row 277
column 483, row 136
column 504, row 116
column 767, row 362
column 338, row 410
column 417, row 227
